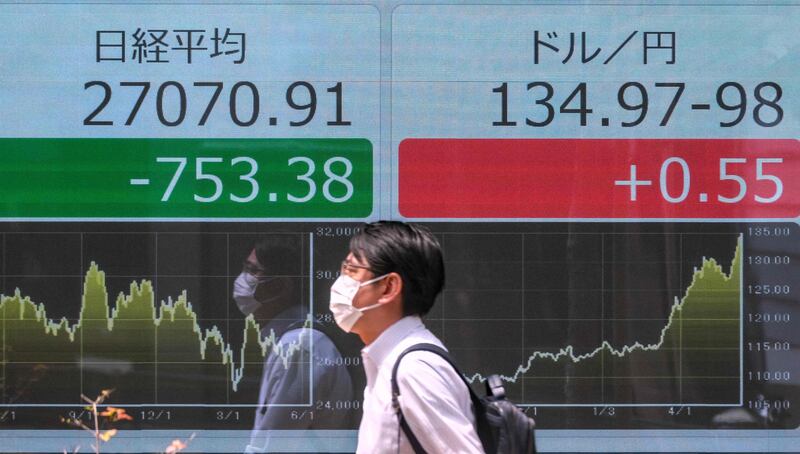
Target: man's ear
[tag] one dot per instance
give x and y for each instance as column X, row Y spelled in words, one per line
column 393, row 288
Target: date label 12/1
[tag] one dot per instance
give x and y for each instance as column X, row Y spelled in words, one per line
column 186, row 178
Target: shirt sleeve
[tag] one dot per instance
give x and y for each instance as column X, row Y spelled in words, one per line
column 436, row 404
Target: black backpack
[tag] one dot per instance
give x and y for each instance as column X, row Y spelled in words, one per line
column 502, row 427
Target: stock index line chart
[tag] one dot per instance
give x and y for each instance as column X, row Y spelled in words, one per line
column 162, row 330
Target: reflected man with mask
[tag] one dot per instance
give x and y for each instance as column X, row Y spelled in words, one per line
column 269, row 288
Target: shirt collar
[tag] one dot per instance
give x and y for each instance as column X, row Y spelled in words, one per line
column 381, row 347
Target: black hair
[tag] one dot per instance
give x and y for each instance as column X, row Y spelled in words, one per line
column 408, row 250
column 279, row 255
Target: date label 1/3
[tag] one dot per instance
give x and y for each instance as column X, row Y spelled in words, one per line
column 186, row 178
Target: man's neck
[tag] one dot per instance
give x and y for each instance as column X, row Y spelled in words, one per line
column 369, row 333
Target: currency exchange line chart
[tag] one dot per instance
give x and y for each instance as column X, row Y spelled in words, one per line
column 593, row 319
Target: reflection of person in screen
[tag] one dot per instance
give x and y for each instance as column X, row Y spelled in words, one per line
column 270, row 290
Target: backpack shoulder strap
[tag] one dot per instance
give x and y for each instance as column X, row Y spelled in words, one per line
column 476, row 402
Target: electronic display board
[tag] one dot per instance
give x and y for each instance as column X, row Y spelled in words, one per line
column 614, row 187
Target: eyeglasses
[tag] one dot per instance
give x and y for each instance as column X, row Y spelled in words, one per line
column 252, row 268
column 352, row 268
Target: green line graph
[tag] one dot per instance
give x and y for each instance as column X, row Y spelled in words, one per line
column 710, row 304
column 594, row 353
column 134, row 332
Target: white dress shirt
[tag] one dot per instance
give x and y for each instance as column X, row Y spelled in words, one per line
column 434, row 399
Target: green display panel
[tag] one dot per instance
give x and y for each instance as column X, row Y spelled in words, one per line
column 186, row 178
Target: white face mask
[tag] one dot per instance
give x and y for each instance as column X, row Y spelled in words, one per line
column 343, row 292
column 244, row 290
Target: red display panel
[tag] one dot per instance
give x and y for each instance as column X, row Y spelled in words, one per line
column 599, row 178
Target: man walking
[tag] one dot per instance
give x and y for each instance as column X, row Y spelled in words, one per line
column 389, row 279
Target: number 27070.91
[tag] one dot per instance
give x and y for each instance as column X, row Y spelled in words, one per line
column 244, row 103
